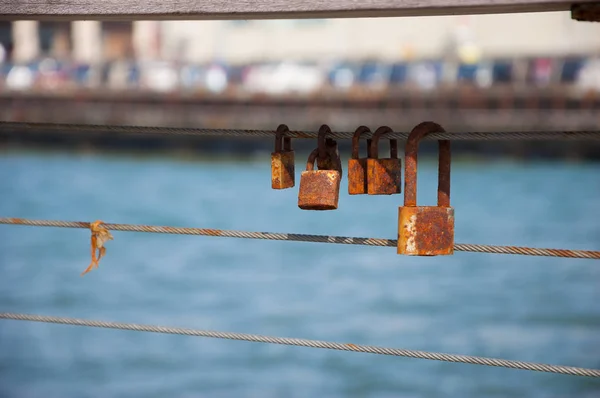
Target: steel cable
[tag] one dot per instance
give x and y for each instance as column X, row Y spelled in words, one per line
column 539, row 367
column 461, row 136
column 527, row 251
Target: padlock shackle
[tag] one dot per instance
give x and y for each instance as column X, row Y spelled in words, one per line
column 410, row 161
column 280, row 136
column 310, row 163
column 356, row 138
column 322, row 145
column 374, row 146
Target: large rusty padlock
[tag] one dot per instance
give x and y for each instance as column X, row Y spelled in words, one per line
column 384, row 176
column 282, row 161
column 357, row 167
column 426, row 230
column 320, row 189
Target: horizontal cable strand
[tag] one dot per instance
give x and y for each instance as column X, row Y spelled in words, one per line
column 527, row 251
column 461, row 136
column 576, row 371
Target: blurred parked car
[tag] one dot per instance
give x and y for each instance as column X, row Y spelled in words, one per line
column 52, row 74
column 123, row 75
column 570, row 69
column 301, row 78
column 398, row 74
column 236, row 74
column 191, row 77
column 20, row 77
column 284, row 78
column 502, row 72
column 484, row 75
column 539, row 72
column 588, row 78
column 159, row 76
column 256, row 78
column 374, row 75
column 81, row 74
column 4, row 69
column 215, row 78
column 426, row 75
column 466, row 73
column 342, row 75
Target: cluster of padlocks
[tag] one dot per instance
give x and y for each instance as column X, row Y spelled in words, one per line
column 422, row 230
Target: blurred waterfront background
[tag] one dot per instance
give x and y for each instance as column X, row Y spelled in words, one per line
column 476, row 73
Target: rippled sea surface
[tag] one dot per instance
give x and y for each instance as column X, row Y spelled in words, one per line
column 514, row 307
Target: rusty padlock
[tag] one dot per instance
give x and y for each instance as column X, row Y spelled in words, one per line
column 357, row 167
column 282, row 161
column 320, row 189
column 426, row 230
column 384, row 176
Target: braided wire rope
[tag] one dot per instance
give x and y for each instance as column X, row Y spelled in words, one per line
column 152, row 130
column 527, row 251
column 539, row 367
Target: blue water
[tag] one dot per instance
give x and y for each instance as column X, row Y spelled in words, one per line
column 515, row 307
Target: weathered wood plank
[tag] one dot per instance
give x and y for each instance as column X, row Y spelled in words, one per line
column 262, row 9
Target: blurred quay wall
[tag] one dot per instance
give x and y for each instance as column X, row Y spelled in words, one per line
column 457, row 111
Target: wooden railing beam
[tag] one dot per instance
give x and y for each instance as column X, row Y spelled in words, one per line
column 106, row 10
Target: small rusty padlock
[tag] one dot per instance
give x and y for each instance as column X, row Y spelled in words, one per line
column 320, row 189
column 384, row 176
column 357, row 167
column 282, row 161
column 426, row 230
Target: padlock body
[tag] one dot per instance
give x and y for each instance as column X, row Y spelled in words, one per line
column 384, row 176
column 282, row 170
column 426, row 231
column 319, row 190
column 357, row 176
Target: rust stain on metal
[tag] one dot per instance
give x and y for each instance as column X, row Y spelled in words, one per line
column 319, row 189
column 17, row 221
column 282, row 161
column 353, row 346
column 384, row 176
column 426, row 230
column 357, row 176
column 357, row 167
